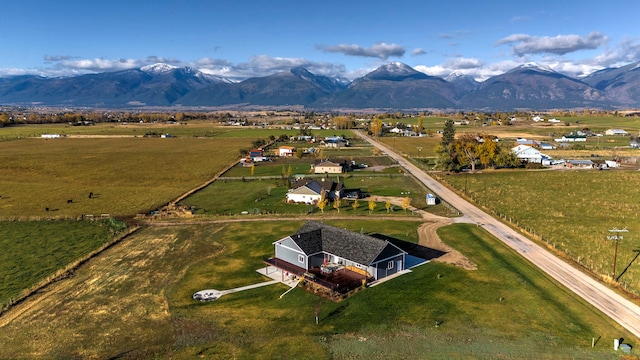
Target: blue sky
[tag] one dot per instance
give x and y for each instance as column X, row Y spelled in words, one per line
column 348, row 38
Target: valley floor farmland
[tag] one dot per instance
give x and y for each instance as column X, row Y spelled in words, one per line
column 137, row 296
column 53, row 178
column 571, row 211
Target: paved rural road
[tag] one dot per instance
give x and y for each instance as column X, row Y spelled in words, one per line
column 621, row 310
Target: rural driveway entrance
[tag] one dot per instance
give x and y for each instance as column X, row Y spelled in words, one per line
column 621, row 310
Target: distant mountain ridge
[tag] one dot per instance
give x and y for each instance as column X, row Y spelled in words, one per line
column 391, row 86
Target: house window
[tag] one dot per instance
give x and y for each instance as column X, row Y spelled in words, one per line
column 301, row 259
column 390, row 265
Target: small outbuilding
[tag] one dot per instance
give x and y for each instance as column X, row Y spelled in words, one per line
column 616, row 132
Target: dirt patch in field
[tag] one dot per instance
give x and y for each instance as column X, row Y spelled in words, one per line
column 429, row 238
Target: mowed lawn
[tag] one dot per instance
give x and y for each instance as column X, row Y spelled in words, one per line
column 134, row 301
column 572, row 211
column 53, row 178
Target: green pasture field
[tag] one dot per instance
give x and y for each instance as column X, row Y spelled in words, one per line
column 279, row 166
column 134, row 301
column 571, row 211
column 125, row 175
column 260, row 196
column 33, row 250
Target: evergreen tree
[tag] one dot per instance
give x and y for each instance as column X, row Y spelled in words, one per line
column 448, row 134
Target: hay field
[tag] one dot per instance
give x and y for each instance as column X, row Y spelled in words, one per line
column 53, row 178
column 571, row 211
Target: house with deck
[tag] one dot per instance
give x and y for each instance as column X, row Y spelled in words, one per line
column 335, row 258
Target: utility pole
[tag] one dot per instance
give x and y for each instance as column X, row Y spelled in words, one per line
column 616, row 236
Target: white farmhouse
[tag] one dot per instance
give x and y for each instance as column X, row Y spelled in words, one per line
column 310, row 191
column 529, row 154
column 286, row 151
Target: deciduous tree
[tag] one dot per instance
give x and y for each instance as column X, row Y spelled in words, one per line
column 406, row 202
column 337, row 202
column 355, row 205
column 322, row 203
column 372, row 204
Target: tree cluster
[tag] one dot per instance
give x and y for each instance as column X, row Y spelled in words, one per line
column 471, row 150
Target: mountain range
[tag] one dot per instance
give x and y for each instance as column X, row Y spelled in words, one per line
column 391, row 86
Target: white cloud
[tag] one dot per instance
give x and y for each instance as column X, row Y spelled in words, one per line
column 627, row 51
column 418, row 52
column 479, row 72
column 460, row 63
column 559, row 45
column 378, row 50
column 263, row 65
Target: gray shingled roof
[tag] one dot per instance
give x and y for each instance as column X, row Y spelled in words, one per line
column 318, row 185
column 314, row 237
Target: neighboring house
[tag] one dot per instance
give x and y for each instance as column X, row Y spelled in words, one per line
column 403, row 132
column 571, row 138
column 319, row 246
column 301, row 138
column 335, row 142
column 529, row 154
column 546, row 146
column 523, row 141
column 286, row 151
column 616, row 132
column 256, row 153
column 634, row 143
column 310, row 191
column 328, row 167
column 580, row 164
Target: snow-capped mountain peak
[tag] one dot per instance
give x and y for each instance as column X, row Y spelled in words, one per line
column 158, row 68
column 454, row 75
column 536, row 66
column 397, row 68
